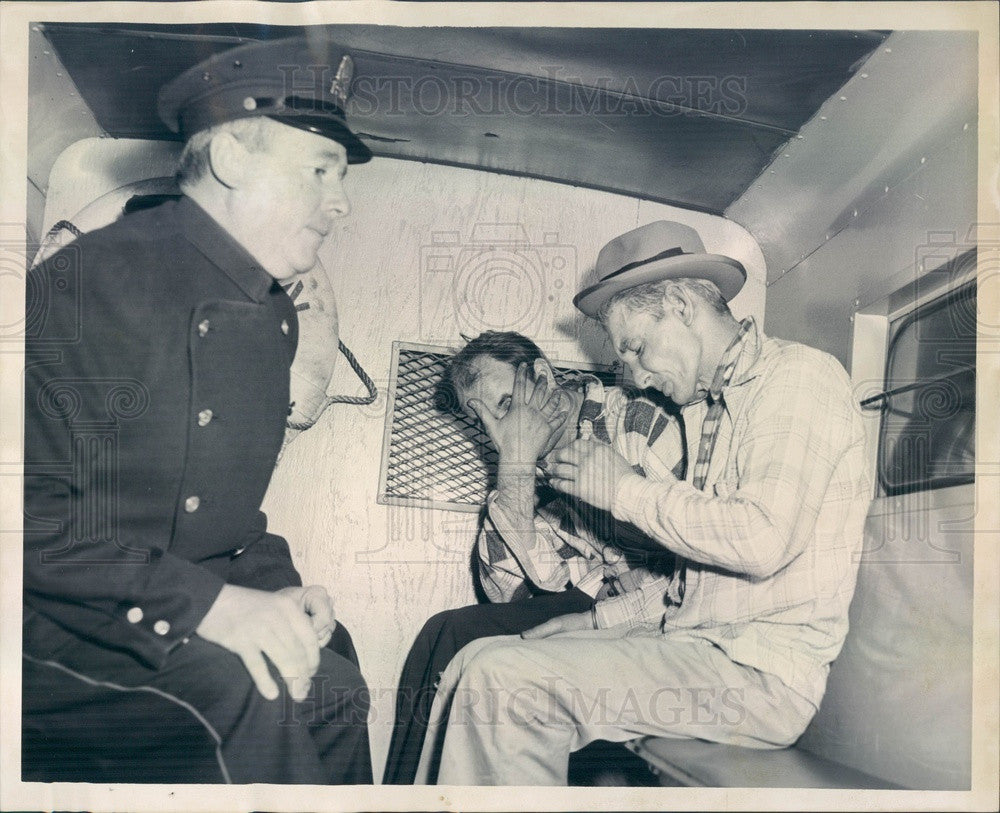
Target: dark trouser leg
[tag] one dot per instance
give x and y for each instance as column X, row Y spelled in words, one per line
column 197, row 719
column 353, row 765
column 342, row 643
column 441, row 637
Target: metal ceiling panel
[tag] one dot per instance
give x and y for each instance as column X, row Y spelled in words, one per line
column 682, row 116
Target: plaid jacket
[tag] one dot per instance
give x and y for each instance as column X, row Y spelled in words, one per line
column 572, row 544
column 771, row 544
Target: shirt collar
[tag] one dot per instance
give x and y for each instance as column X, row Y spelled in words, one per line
column 736, row 365
column 219, row 247
column 593, row 400
column 750, row 344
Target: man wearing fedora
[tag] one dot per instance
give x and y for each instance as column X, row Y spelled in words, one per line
column 167, row 635
column 766, row 525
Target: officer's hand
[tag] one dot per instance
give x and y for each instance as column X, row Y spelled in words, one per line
column 254, row 624
column 588, row 470
column 316, row 603
column 535, row 415
column 561, row 623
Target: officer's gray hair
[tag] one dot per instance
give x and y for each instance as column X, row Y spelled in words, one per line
column 649, row 297
column 194, row 164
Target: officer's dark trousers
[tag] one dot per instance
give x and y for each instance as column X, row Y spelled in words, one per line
column 439, row 640
column 93, row 714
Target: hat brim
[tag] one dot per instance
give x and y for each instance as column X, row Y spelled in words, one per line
column 727, row 274
column 357, row 150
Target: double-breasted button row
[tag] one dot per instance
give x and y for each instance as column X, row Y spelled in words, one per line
column 135, row 615
column 205, row 417
column 284, row 326
column 192, row 503
column 203, row 327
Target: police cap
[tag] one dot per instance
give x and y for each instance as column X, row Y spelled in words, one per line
column 300, row 82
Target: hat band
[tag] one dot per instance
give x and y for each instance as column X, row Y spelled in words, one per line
column 670, row 252
column 202, row 115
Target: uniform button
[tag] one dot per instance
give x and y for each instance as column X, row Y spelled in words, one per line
column 161, row 627
column 134, row 615
column 191, row 504
column 203, row 326
column 284, row 326
column 205, row 417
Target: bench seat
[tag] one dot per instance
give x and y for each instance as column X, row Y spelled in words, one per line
column 706, row 764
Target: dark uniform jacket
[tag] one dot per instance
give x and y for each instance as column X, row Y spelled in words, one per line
column 156, row 392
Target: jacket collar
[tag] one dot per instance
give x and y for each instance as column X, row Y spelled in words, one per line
column 219, row 248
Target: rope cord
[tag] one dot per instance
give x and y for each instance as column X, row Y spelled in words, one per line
column 357, row 400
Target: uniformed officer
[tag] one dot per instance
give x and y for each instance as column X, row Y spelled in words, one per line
column 167, row 635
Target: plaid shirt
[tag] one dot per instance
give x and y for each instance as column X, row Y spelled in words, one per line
column 772, row 543
column 572, row 544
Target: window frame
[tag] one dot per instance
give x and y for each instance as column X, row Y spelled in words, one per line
column 960, row 272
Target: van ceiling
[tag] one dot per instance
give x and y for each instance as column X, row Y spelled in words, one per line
column 683, row 116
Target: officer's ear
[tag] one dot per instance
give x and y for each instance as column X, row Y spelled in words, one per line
column 228, row 159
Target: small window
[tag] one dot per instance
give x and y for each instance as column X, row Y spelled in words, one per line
column 928, row 406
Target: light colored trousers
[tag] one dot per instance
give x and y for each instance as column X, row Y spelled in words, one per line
column 510, row 712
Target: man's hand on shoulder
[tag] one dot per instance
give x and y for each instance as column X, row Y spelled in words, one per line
column 254, row 624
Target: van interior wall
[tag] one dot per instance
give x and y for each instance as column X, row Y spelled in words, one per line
column 882, row 189
column 389, row 568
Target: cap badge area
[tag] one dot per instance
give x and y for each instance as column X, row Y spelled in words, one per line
column 340, row 89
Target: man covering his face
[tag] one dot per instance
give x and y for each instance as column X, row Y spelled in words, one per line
column 539, row 557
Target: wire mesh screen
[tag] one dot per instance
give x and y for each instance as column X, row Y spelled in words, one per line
column 435, row 459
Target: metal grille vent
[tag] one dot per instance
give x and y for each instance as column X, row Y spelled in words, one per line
column 432, row 459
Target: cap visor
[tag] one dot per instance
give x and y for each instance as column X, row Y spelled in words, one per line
column 357, row 150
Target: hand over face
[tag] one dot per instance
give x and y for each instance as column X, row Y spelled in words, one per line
column 590, row 471
column 536, row 416
column 254, row 624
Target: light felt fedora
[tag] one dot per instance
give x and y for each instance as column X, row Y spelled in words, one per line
column 657, row 251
